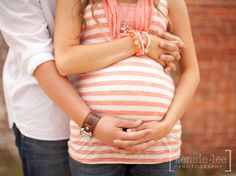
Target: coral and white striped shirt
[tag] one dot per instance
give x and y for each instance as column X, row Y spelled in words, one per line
column 135, row 88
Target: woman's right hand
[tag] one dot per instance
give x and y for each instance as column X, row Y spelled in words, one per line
column 165, row 49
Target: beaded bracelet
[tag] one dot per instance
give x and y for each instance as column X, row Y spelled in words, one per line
column 138, row 40
column 134, row 37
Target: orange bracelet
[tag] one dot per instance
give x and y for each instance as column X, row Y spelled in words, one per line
column 138, row 48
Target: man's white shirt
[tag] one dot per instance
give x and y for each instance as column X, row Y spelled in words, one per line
column 27, row 26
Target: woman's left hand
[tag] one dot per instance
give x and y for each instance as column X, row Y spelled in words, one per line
column 159, row 130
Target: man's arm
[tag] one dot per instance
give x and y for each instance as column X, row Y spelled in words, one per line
column 25, row 30
column 61, row 91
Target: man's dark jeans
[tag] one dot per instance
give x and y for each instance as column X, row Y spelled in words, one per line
column 42, row 158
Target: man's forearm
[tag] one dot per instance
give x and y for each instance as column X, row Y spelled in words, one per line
column 61, row 91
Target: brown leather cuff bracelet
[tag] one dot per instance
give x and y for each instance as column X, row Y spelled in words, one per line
column 89, row 124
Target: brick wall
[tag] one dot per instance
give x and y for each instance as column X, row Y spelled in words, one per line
column 209, row 124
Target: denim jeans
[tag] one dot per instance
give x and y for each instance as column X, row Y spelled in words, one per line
column 42, row 158
column 163, row 169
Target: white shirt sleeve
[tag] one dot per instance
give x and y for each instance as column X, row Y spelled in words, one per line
column 25, row 30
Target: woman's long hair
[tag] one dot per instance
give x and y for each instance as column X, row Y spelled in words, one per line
column 94, row 3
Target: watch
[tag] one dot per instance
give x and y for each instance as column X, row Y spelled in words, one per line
column 89, row 124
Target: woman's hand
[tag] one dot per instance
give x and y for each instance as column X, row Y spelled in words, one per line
column 159, row 128
column 165, row 49
column 158, row 131
column 110, row 128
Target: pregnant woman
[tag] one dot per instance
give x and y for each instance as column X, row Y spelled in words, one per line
column 111, row 49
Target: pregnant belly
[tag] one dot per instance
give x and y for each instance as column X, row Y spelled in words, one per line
column 135, row 88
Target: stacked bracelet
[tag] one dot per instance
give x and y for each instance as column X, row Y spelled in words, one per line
column 148, row 42
column 134, row 37
column 138, row 40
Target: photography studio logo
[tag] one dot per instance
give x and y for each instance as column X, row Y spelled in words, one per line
column 213, row 161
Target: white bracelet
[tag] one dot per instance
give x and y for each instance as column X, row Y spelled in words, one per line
column 148, row 43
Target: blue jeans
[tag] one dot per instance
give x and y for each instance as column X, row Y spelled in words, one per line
column 42, row 158
column 80, row 169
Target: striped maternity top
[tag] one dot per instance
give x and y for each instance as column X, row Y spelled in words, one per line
column 135, row 88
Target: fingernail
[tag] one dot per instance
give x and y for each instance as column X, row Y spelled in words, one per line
column 167, row 70
column 129, row 130
column 162, row 57
column 181, row 44
column 159, row 33
column 162, row 44
column 139, row 121
column 112, row 149
column 162, row 33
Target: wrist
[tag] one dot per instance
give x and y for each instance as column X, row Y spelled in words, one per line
column 161, row 130
column 169, row 123
column 89, row 124
column 131, row 47
column 141, row 41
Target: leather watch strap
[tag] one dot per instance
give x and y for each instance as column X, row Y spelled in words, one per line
column 90, row 122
